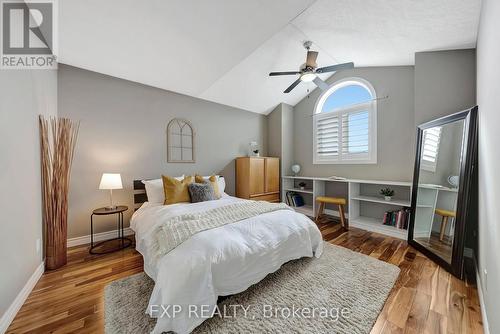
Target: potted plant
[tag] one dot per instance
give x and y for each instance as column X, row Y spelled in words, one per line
column 302, row 185
column 387, row 193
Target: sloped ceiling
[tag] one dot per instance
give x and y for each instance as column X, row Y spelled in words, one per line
column 222, row 50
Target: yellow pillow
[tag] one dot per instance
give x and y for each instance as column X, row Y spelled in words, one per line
column 176, row 191
column 213, row 181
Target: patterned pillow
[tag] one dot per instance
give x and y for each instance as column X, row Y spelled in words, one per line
column 201, row 192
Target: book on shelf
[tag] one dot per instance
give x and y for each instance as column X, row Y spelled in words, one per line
column 398, row 218
column 294, row 199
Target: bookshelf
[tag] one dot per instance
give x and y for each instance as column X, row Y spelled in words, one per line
column 365, row 207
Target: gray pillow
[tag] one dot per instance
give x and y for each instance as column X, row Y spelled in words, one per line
column 201, row 192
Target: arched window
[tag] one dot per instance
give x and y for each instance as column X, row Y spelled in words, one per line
column 345, row 124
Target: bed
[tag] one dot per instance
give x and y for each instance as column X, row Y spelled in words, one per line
column 215, row 262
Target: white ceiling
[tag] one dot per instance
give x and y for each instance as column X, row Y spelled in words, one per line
column 222, row 50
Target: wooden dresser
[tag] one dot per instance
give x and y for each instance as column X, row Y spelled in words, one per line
column 258, row 178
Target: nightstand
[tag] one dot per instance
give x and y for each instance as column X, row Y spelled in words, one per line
column 124, row 242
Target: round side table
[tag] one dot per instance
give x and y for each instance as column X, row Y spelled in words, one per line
column 124, row 242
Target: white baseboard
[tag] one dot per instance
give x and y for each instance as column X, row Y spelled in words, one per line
column 98, row 237
column 484, row 316
column 11, row 312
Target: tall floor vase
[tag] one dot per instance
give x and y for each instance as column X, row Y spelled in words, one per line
column 57, row 144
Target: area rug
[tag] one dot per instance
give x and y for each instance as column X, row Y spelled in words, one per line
column 341, row 292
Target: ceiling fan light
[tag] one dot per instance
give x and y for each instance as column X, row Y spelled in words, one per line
column 307, row 77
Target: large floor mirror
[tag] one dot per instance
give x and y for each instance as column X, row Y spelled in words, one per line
column 443, row 223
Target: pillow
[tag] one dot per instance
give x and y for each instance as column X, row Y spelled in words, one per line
column 201, row 192
column 221, row 182
column 176, row 191
column 213, row 181
column 154, row 189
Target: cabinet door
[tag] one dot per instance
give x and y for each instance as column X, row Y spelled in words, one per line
column 272, row 175
column 257, row 175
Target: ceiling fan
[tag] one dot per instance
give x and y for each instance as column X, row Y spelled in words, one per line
column 309, row 70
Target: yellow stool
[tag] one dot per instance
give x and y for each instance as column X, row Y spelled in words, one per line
column 446, row 214
column 322, row 200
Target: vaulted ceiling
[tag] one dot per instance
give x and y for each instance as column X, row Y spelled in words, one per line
column 222, row 50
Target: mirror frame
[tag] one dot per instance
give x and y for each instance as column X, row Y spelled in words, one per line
column 467, row 165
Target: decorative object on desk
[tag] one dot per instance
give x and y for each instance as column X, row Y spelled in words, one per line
column 295, row 169
column 110, row 181
column 387, row 193
column 453, row 180
column 302, row 185
column 337, row 178
column 57, row 146
column 180, row 141
column 253, row 149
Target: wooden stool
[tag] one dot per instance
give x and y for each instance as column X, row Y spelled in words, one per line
column 322, row 200
column 446, row 214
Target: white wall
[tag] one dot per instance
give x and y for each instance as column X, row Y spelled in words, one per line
column 488, row 97
column 123, row 130
column 23, row 96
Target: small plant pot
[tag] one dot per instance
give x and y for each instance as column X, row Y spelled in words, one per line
column 388, row 198
column 302, row 188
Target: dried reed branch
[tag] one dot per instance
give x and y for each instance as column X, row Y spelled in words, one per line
column 57, row 144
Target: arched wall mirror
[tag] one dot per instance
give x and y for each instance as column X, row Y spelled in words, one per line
column 180, row 141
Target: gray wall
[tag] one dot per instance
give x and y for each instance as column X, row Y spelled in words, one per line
column 287, row 137
column 395, row 121
column 488, row 97
column 123, row 130
column 24, row 95
column 445, row 83
column 274, row 139
column 280, row 135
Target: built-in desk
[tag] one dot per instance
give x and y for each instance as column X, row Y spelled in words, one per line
column 365, row 207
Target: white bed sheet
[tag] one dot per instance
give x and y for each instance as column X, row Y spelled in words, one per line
column 221, row 261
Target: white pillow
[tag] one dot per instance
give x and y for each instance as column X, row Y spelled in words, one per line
column 154, row 189
column 221, row 182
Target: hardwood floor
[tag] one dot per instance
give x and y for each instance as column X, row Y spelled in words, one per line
column 425, row 298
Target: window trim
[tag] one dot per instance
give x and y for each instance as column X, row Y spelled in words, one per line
column 372, row 108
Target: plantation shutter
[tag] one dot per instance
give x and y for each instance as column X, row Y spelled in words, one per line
column 327, row 137
column 355, row 134
column 430, row 149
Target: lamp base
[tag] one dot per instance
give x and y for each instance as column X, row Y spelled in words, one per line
column 111, row 207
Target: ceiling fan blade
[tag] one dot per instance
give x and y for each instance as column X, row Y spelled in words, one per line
column 311, row 58
column 334, row 68
column 272, row 74
column 320, row 83
column 292, row 86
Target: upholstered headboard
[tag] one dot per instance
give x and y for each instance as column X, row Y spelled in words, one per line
column 140, row 195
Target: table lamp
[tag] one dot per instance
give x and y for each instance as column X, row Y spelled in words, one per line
column 110, row 181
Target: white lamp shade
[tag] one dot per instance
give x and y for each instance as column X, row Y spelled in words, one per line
column 111, row 181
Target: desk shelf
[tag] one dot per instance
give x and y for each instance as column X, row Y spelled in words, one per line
column 298, row 190
column 373, row 199
column 365, row 207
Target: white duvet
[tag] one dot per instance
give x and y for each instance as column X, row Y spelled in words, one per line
column 217, row 262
